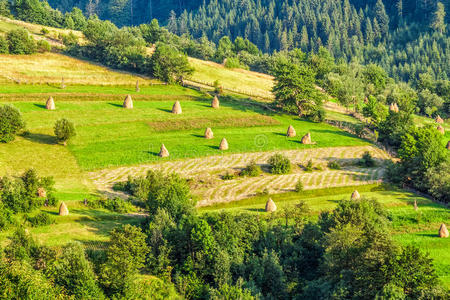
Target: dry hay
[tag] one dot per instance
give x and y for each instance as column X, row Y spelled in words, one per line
column 137, row 86
column 355, row 195
column 393, row 107
column 163, row 152
column 41, row 193
column 209, row 134
column 291, row 131
column 128, row 102
column 439, row 120
column 415, row 205
column 306, row 139
column 176, row 109
column 448, row 145
column 441, row 129
column 63, row 210
column 270, row 206
column 223, row 144
column 443, row 232
column 50, row 105
column 215, row 102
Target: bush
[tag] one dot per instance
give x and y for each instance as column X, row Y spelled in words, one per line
column 10, row 123
column 367, row 160
column 233, row 63
column 44, row 31
column 41, row 219
column 3, row 45
column 20, row 42
column 309, row 166
column 279, row 164
column 334, row 165
column 116, row 204
column 317, row 115
column 251, row 170
column 299, row 186
column 228, row 176
column 43, row 46
column 64, row 130
column 69, row 40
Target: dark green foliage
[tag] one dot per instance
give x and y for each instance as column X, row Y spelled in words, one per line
column 115, row 204
column 228, row 176
column 40, row 219
column 334, row 165
column 169, row 65
column 279, row 164
column 10, row 123
column 4, row 49
column 374, row 110
column 125, row 256
column 20, row 194
column 252, row 170
column 43, row 46
column 367, row 160
column 438, row 181
column 5, row 9
column 309, row 166
column 74, row 272
column 64, row 130
column 299, row 186
column 6, row 218
column 20, row 42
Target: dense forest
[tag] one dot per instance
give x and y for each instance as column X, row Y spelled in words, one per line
column 406, row 37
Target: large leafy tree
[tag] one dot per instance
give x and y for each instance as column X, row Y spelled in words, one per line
column 295, row 88
column 170, row 65
column 10, row 123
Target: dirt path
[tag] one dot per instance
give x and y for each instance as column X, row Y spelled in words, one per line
column 206, row 172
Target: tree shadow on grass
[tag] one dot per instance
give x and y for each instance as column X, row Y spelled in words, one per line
column 433, row 235
column 165, row 110
column 198, row 135
column 214, row 147
column 256, row 209
column 115, row 104
column 40, row 105
column 40, row 138
column 152, row 153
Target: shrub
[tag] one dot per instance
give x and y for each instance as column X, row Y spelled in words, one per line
column 116, row 204
column 367, row 160
column 251, row 170
column 309, row 166
column 10, row 123
column 334, row 165
column 43, row 46
column 41, row 219
column 279, row 164
column 64, row 130
column 20, row 42
column 228, row 176
column 44, row 31
column 299, row 186
column 317, row 115
column 69, row 40
column 3, row 45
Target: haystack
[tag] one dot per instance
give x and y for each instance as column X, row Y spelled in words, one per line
column 215, row 102
column 176, row 109
column 137, row 86
column 307, row 139
column 223, row 144
column 443, row 232
column 448, row 145
column 50, row 105
column 41, row 193
column 441, row 129
column 209, row 134
column 163, row 152
column 355, row 195
column 291, row 131
column 128, row 102
column 415, row 205
column 270, row 206
column 393, row 107
column 439, row 120
column 63, row 210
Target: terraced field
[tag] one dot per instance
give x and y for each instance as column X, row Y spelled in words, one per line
column 207, row 172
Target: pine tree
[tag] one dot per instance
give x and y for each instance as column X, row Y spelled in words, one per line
column 382, row 17
column 439, row 18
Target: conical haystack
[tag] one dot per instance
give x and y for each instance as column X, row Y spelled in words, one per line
column 270, row 206
column 355, row 195
column 415, row 205
column 307, row 139
column 291, row 131
column 209, row 134
column 176, row 109
column 41, row 193
column 439, row 120
column 223, row 144
column 215, row 102
column 63, row 210
column 448, row 145
column 163, row 152
column 441, row 129
column 443, row 232
column 393, row 107
column 50, row 105
column 128, row 102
